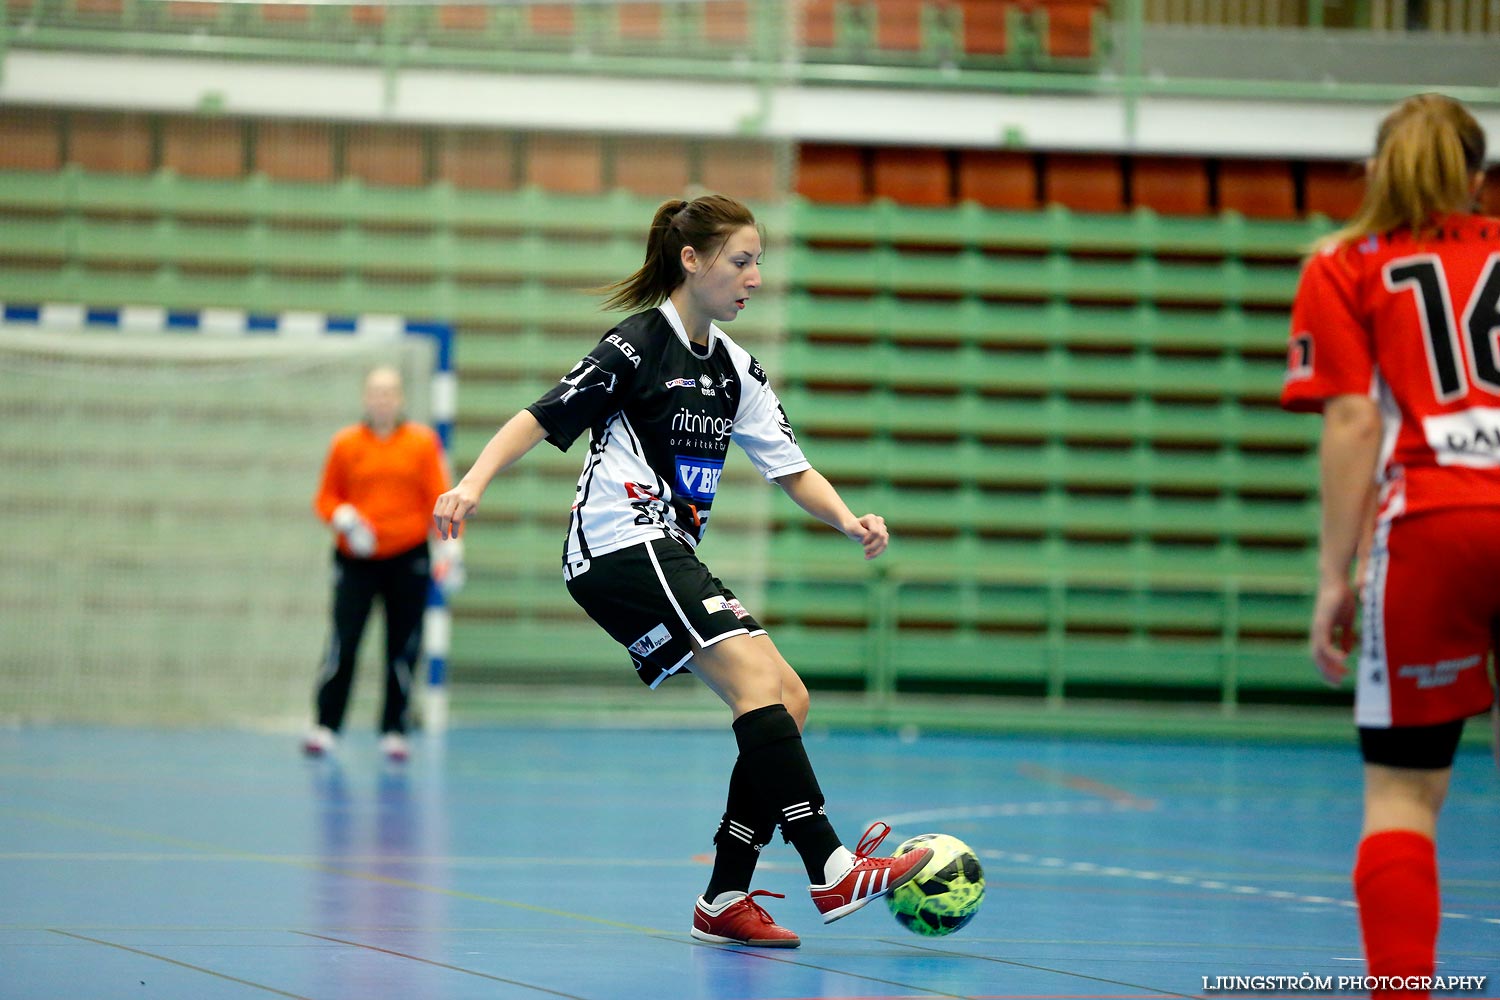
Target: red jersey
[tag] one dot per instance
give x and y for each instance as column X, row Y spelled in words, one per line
column 1413, row 323
column 393, row 481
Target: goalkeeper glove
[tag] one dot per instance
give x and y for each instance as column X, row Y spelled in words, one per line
column 358, row 534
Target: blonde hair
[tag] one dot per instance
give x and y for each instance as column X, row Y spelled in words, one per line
column 1427, row 152
column 703, row 224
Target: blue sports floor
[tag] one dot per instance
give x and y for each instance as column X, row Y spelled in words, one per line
column 539, row 862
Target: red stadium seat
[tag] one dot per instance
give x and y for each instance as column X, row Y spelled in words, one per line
column 477, row 161
column 997, row 179
column 102, row 8
column 727, row 22
column 367, row 15
column 1084, row 182
column 639, row 21
column 554, row 19
column 29, row 140
column 1171, row 185
column 1261, row 189
column 898, row 25
column 1489, row 195
column 565, row 164
column 832, row 174
column 198, row 12
column 819, row 24
column 386, row 156
column 120, row 144
column 1070, row 28
column 467, row 18
column 1333, row 188
column 913, row 176
column 294, row 151
column 740, row 169
column 986, row 25
column 649, row 166
column 285, row 13
column 203, row 147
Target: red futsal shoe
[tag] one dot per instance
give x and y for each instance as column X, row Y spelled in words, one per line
column 742, row 922
column 869, row 878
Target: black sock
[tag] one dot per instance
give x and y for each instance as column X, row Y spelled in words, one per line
column 776, row 765
column 745, row 829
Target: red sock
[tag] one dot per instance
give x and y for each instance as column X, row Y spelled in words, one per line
column 1396, row 884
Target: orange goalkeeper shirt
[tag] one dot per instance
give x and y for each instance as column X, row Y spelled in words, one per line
column 392, row 481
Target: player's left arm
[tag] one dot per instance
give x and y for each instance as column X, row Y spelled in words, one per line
column 816, row 495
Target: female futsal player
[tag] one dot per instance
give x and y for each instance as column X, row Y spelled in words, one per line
column 662, row 396
column 1394, row 338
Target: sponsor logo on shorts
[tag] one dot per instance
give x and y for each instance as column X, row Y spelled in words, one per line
column 1440, row 674
column 713, row 605
column 651, row 641
column 698, row 478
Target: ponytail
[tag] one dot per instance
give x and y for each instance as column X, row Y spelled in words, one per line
column 703, row 224
column 1427, row 152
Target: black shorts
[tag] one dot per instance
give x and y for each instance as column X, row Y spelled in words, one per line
column 657, row 600
column 1426, row 748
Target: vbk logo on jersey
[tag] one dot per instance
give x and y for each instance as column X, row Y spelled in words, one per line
column 681, row 383
column 698, row 478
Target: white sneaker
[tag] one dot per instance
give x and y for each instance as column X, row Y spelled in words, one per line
column 394, row 746
column 319, row 741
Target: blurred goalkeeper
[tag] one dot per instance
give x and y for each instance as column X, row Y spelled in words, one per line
column 379, row 485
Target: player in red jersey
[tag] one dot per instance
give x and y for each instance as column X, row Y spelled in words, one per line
column 1395, row 338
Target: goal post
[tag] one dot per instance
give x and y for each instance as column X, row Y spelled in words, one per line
column 164, row 563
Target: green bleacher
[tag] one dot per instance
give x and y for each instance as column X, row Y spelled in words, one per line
column 1068, row 420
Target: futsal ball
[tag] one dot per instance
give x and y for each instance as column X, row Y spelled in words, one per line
column 945, row 894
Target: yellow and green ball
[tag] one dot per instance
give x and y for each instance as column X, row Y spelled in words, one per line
column 945, row 894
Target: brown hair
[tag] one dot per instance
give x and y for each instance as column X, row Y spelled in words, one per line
column 703, row 224
column 1427, row 152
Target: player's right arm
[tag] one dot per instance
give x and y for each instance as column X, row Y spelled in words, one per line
column 520, row 434
column 1348, row 454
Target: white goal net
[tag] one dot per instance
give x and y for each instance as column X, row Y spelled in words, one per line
column 162, row 560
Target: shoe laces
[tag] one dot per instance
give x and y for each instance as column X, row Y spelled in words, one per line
column 871, row 840
column 759, row 911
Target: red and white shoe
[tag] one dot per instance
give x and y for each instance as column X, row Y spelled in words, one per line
column 318, row 741
column 395, row 747
column 868, row 878
column 742, row 922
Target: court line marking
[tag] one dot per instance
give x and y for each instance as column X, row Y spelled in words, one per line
column 1152, row 990
column 1127, row 803
column 183, row 965
column 1081, row 783
column 1089, row 807
column 745, row 952
column 325, row 868
column 1213, row 885
column 440, row 965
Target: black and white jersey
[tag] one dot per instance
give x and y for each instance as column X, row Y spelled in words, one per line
column 660, row 412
